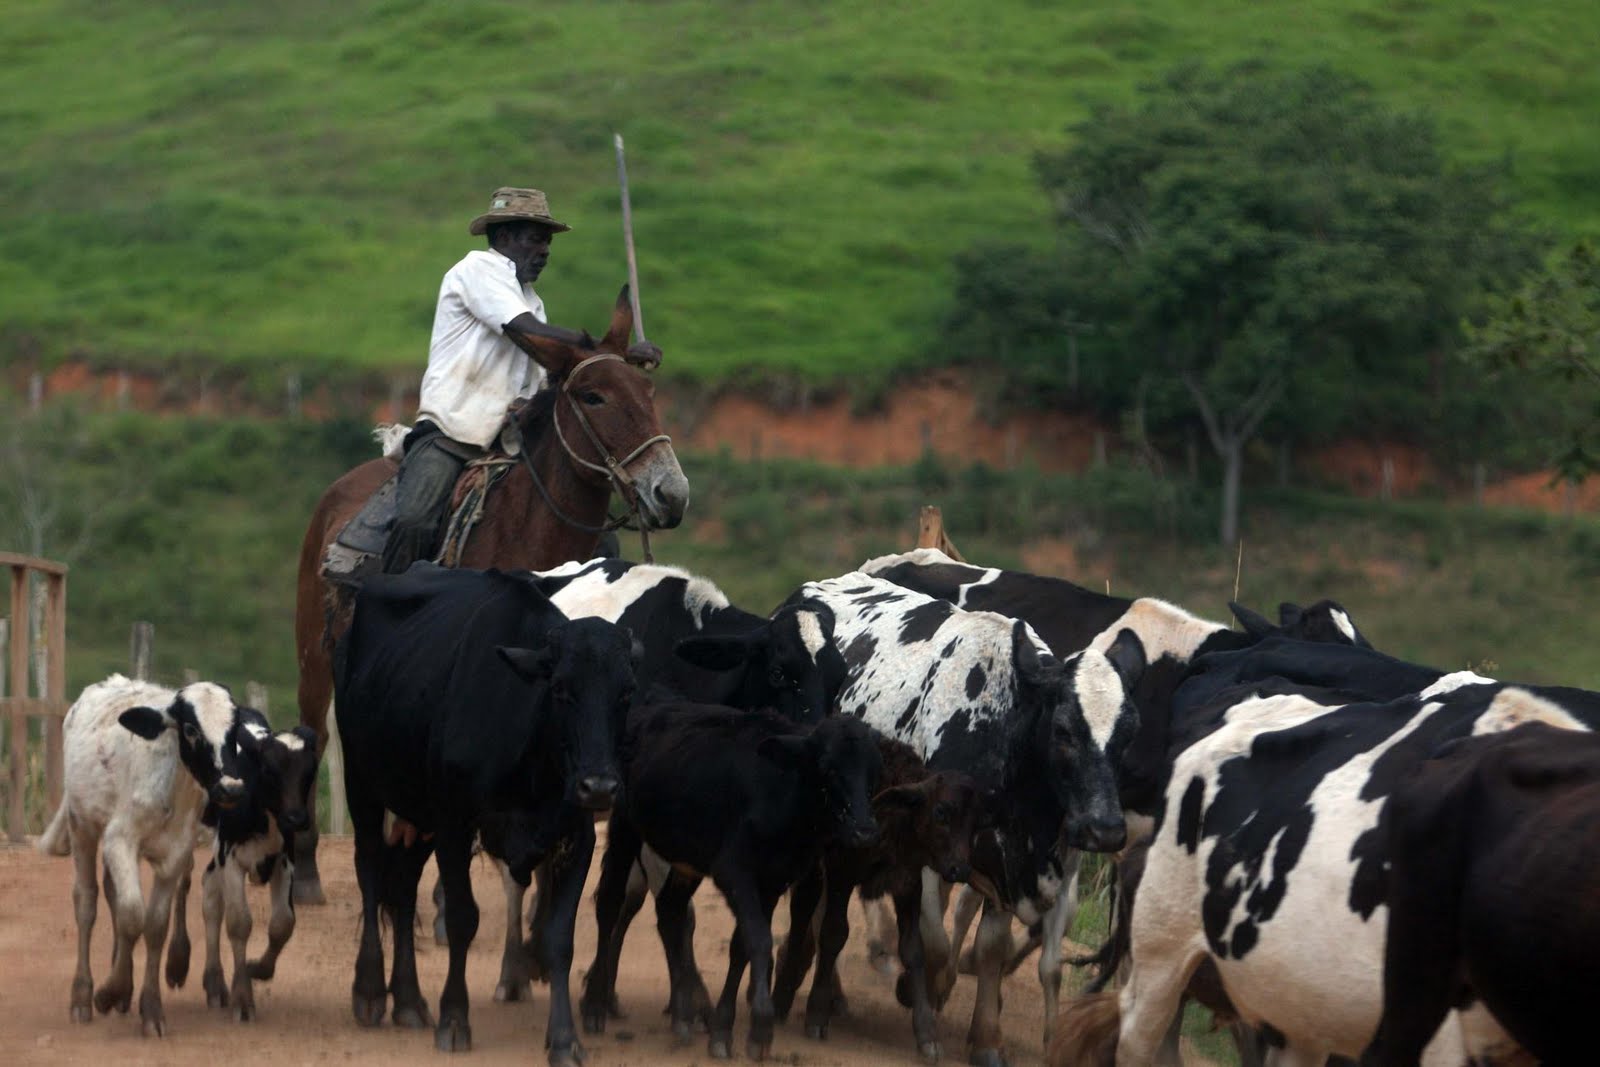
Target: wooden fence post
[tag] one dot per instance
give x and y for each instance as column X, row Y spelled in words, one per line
column 255, row 695
column 931, row 533
column 17, row 814
column 141, row 647
column 56, row 687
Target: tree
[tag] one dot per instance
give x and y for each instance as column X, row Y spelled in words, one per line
column 1549, row 330
column 1253, row 235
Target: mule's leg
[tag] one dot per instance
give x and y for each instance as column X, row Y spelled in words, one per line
column 568, row 869
column 158, row 914
column 179, row 947
column 121, row 855
column 368, row 995
column 211, row 908
column 794, row 957
column 834, row 933
column 516, row 976
column 990, row 949
column 315, row 701
column 616, row 870
column 1053, row 927
column 85, row 901
column 280, row 927
column 924, row 1020
column 403, row 870
column 454, row 1033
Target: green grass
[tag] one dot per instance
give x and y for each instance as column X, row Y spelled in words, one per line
column 280, row 184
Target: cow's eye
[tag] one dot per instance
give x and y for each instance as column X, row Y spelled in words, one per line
column 941, row 814
column 191, row 733
column 776, row 676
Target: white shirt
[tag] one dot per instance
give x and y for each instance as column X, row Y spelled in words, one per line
column 474, row 370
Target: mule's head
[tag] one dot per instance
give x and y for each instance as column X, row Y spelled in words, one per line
column 616, row 398
column 788, row 664
column 587, row 667
column 206, row 720
column 1083, row 721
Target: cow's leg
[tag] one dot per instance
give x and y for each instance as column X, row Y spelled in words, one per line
column 368, row 995
column 454, row 856
column 179, row 947
column 211, row 913
column 657, row 873
column 1053, row 927
column 441, row 933
column 689, row 1002
column 568, row 868
column 720, row 1045
column 537, row 922
column 516, row 976
column 753, row 931
column 315, row 700
column 633, row 898
column 616, row 870
column 794, row 957
column 834, row 933
column 280, row 927
column 121, row 854
column 990, row 950
column 940, row 949
column 1149, row 1001
column 236, row 916
column 158, row 914
column 85, row 902
column 403, row 870
column 924, row 1020
column 881, row 933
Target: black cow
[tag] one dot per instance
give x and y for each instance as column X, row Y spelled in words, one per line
column 925, row 819
column 749, row 799
column 1494, row 865
column 467, row 702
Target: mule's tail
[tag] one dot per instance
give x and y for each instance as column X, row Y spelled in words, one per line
column 1086, row 1032
column 55, row 841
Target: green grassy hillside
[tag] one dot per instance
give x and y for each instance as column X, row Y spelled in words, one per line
column 286, row 182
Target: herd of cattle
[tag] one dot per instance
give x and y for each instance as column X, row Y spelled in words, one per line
column 1340, row 853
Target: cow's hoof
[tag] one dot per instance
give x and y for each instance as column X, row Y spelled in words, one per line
column 368, row 1010
column 881, row 959
column 244, row 1009
column 106, row 998
column 987, row 1057
column 682, row 1029
column 307, row 891
column 261, row 970
column 82, row 1000
column 441, row 936
column 453, row 1035
column 930, row 1051
column 757, row 1050
column 177, row 965
column 594, row 1019
column 216, row 989
column 720, row 1047
column 418, row 1017
column 509, row 991
column 817, row 1031
column 902, row 990
column 571, row 1056
column 83, row 1013
column 155, row 1021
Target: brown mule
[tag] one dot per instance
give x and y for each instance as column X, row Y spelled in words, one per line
column 549, row 509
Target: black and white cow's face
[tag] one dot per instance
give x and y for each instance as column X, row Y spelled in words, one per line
column 285, row 772
column 1083, row 718
column 587, row 665
column 205, row 718
column 788, row 664
column 1326, row 622
column 840, row 758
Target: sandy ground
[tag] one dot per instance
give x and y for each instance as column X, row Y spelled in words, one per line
column 304, row 1013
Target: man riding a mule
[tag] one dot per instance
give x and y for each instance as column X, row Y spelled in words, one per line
column 475, row 371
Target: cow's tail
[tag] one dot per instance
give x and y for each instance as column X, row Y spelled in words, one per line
column 1086, row 1032
column 55, row 840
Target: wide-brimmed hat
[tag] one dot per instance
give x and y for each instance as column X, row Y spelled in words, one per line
column 516, row 205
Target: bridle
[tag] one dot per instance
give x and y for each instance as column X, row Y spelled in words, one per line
column 612, row 468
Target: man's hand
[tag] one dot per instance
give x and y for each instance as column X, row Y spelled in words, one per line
column 646, row 354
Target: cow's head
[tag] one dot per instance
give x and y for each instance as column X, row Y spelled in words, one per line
column 939, row 816
column 285, row 772
column 788, row 664
column 1083, row 718
column 205, row 718
column 838, row 757
column 1326, row 621
column 586, row 665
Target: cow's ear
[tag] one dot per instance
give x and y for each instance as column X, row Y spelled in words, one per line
column 906, row 798
column 715, row 653
column 1254, row 623
column 532, row 664
column 306, row 734
column 1289, row 615
column 1126, row 656
column 786, row 750
column 146, row 722
column 1033, row 665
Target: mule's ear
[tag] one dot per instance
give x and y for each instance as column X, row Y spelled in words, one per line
column 786, row 750
column 1254, row 623
column 555, row 349
column 1289, row 614
column 715, row 653
column 146, row 722
column 532, row 664
column 620, row 332
column 1127, row 658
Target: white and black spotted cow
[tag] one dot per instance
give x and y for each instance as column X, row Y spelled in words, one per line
column 976, row 692
column 1269, row 863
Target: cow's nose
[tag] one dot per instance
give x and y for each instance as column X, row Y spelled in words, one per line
column 957, row 872
column 597, row 791
column 293, row 821
column 227, row 792
column 863, row 834
column 1100, row 834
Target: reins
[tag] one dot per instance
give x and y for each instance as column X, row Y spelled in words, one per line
column 613, row 468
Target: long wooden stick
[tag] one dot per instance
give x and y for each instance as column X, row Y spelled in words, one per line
column 627, row 236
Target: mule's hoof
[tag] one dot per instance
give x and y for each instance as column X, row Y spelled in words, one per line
column 260, row 970
column 720, row 1048
column 368, row 1010
column 453, row 1035
column 817, row 1031
column 987, row 1057
column 418, row 1017
column 508, row 992
column 757, row 1050
column 307, row 891
column 930, row 1051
